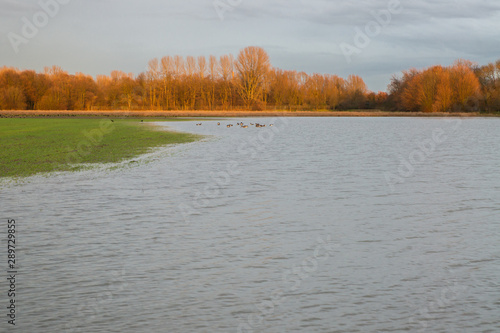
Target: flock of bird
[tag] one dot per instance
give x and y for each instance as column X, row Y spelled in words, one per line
column 242, row 125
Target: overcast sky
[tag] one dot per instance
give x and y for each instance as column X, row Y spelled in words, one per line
column 98, row 36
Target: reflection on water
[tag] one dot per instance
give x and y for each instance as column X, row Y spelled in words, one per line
column 311, row 225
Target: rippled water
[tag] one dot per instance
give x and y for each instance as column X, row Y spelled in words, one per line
column 312, row 225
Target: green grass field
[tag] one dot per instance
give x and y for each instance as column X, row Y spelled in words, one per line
column 32, row 146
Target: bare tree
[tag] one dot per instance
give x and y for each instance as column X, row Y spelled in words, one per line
column 153, row 75
column 212, row 67
column 202, row 67
column 200, row 81
column 253, row 66
column 167, row 72
column 190, row 65
column 179, row 73
column 226, row 72
column 179, row 67
column 189, row 99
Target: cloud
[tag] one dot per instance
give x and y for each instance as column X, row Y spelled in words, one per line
column 97, row 36
column 10, row 8
column 357, row 11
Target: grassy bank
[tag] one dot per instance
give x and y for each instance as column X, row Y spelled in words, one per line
column 32, row 146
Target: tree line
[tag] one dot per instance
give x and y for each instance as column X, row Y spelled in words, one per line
column 249, row 82
column 462, row 87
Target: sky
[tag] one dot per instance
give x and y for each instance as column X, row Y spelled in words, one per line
column 374, row 39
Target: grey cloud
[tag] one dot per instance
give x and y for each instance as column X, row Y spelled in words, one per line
column 303, row 35
column 8, row 8
column 358, row 12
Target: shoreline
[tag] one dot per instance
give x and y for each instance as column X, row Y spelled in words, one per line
column 33, row 146
column 225, row 114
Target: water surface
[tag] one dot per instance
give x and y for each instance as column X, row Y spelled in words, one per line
column 312, row 225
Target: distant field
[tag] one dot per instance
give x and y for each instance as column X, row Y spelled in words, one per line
column 230, row 113
column 32, row 146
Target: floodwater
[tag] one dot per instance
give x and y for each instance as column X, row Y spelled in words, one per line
column 311, row 225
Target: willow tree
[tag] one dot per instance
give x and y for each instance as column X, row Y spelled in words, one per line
column 253, row 66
